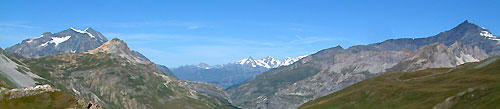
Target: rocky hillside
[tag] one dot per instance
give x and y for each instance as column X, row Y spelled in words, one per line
column 472, row 85
column 114, row 77
column 333, row 69
column 438, row 55
column 70, row 40
column 19, row 88
column 15, row 73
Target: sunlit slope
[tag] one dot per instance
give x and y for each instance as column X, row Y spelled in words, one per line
column 472, row 85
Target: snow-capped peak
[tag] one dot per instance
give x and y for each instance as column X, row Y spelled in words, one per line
column 83, row 32
column 486, row 34
column 289, row 60
column 250, row 61
column 268, row 62
column 77, row 30
column 489, row 36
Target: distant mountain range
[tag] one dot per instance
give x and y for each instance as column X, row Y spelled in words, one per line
column 335, row 68
column 229, row 74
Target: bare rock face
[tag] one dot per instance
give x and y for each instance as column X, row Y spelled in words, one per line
column 439, row 55
column 70, row 40
column 117, row 47
column 333, row 69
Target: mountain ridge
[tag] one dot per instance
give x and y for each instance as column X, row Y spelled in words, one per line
column 335, row 68
column 470, row 85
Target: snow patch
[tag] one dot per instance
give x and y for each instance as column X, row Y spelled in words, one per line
column 55, row 40
column 83, row 32
column 489, row 35
column 39, row 37
column 44, row 44
column 77, row 30
column 31, row 39
column 58, row 40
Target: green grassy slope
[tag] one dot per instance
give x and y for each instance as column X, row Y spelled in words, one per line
column 46, row 100
column 471, row 85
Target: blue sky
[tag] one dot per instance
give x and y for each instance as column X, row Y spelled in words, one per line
column 176, row 33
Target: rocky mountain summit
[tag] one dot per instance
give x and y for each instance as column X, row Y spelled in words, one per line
column 69, row 40
column 120, row 48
